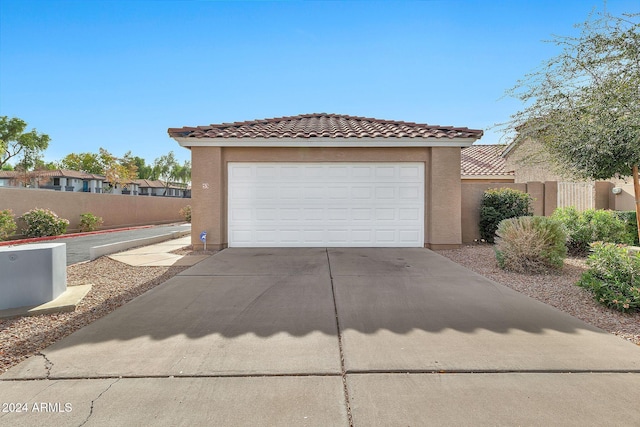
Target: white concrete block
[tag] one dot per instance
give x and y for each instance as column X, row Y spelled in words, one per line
column 32, row 274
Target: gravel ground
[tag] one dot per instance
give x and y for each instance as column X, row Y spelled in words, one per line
column 557, row 290
column 115, row 283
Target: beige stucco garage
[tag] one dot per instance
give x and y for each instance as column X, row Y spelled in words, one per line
column 326, row 180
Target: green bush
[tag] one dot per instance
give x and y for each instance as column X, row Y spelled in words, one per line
column 7, row 224
column 613, row 276
column 631, row 225
column 499, row 204
column 43, row 222
column 584, row 228
column 186, row 213
column 530, row 244
column 90, row 222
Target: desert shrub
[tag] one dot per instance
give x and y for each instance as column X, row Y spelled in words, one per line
column 613, row 276
column 7, row 224
column 43, row 222
column 90, row 222
column 499, row 204
column 186, row 213
column 530, row 244
column 631, row 225
column 584, row 228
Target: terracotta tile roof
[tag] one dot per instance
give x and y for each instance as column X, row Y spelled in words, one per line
column 64, row 173
column 148, row 183
column 323, row 125
column 480, row 160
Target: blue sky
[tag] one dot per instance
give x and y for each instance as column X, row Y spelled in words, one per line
column 118, row 73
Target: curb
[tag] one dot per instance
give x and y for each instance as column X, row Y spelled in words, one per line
column 98, row 251
column 88, row 233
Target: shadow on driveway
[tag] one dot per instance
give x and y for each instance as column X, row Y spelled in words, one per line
column 283, row 311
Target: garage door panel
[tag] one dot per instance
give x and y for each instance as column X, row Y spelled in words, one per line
column 385, row 171
column 339, row 193
column 266, row 214
column 385, row 214
column 338, row 214
column 385, row 193
column 361, row 192
column 411, row 172
column 361, row 214
column 409, row 193
column 314, row 216
column 408, row 214
column 327, row 204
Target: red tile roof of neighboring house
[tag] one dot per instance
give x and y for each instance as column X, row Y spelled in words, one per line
column 148, row 183
column 483, row 160
column 64, row 173
column 324, row 125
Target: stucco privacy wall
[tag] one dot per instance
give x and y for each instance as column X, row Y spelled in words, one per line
column 442, row 183
column 545, row 200
column 623, row 201
column 116, row 210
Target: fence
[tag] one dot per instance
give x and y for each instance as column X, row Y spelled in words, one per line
column 581, row 195
column 116, row 210
column 544, row 196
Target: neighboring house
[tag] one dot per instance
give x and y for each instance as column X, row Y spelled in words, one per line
column 68, row 180
column 7, row 179
column 530, row 163
column 159, row 188
column 58, row 179
column 326, row 180
column 125, row 188
column 484, row 163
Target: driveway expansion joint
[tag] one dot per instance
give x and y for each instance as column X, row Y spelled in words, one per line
column 342, row 364
column 173, row 376
column 491, row 371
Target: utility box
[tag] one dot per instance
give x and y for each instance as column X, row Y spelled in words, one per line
column 33, row 274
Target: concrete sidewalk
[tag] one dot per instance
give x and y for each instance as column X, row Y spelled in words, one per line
column 159, row 255
column 310, row 336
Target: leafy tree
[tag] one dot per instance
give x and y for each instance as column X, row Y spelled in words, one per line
column 164, row 168
column 145, row 171
column 583, row 105
column 83, row 162
column 118, row 171
column 182, row 173
column 14, row 141
column 48, row 166
column 115, row 171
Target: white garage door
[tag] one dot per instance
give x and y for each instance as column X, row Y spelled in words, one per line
column 326, row 204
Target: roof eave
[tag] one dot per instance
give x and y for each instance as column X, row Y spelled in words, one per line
column 189, row 142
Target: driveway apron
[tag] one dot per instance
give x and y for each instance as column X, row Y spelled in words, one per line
column 313, row 336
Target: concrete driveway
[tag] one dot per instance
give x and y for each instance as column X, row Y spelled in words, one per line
column 330, row 337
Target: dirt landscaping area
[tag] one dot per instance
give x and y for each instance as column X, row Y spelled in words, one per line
column 557, row 290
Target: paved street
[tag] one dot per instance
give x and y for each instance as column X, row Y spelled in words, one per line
column 331, row 337
column 78, row 247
